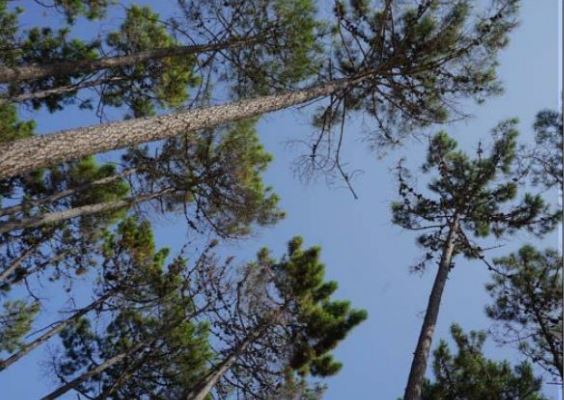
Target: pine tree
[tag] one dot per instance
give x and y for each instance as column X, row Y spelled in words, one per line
column 72, row 9
column 149, row 64
column 472, row 199
column 277, row 323
column 470, row 375
column 215, row 178
column 148, row 343
column 449, row 60
column 544, row 161
column 526, row 305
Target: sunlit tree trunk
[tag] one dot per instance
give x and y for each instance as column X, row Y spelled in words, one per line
column 26, row 155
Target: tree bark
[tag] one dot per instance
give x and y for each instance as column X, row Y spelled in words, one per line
column 52, row 332
column 94, row 371
column 41, row 94
column 40, row 71
column 65, row 193
column 202, row 390
column 17, row 263
column 419, row 363
column 60, row 216
column 26, row 155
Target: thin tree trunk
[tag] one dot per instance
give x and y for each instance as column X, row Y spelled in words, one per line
column 419, row 363
column 41, row 94
column 94, row 371
column 17, row 262
column 548, row 336
column 60, row 216
column 65, row 193
column 52, row 332
column 202, row 390
column 40, row 71
column 26, row 155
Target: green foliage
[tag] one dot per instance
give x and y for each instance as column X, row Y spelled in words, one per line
column 15, row 322
column 8, row 32
column 61, row 245
column 479, row 192
column 469, row 375
column 526, row 294
column 91, row 9
column 323, row 322
column 283, row 41
column 11, row 128
column 151, row 311
column 163, row 82
column 417, row 43
column 217, row 177
column 544, row 161
column 46, row 46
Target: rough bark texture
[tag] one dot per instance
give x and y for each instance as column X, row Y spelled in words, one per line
column 52, row 332
column 419, row 363
column 39, row 71
column 26, row 155
column 60, row 216
column 94, row 371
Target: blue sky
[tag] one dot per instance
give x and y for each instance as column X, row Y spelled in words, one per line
column 362, row 249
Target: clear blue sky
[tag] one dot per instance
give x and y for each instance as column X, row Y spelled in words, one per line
column 363, row 251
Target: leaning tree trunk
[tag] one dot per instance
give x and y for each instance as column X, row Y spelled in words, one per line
column 26, row 155
column 59, row 90
column 419, row 363
column 64, row 68
column 64, row 193
column 201, row 391
column 60, row 216
column 15, row 264
column 26, row 348
column 93, row 372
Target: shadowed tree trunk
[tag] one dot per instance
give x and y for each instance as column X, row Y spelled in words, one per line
column 26, row 155
column 93, row 372
column 25, row 349
column 41, row 94
column 202, row 390
column 421, row 355
column 40, row 71
column 65, row 193
column 17, row 263
column 60, row 216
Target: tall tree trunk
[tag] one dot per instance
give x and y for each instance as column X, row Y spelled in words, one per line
column 60, row 216
column 65, row 193
column 41, row 94
column 93, row 372
column 419, row 363
column 26, row 155
column 53, row 331
column 64, row 68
